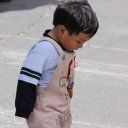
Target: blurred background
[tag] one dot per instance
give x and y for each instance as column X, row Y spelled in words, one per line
column 101, row 82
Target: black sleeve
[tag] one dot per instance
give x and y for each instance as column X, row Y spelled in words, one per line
column 25, row 99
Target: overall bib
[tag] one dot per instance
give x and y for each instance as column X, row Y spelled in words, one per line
column 52, row 107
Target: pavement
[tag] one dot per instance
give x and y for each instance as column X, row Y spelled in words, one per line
column 101, row 93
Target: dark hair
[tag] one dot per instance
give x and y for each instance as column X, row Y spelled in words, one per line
column 76, row 16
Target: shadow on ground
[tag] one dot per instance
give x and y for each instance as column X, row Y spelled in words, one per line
column 25, row 4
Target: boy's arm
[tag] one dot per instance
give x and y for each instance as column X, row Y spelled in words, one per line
column 25, row 99
column 29, row 77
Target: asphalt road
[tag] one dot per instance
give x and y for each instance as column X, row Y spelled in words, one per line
column 101, row 93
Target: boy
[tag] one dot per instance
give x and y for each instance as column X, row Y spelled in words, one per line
column 45, row 85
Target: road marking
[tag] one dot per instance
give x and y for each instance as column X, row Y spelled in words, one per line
column 85, row 66
column 23, row 36
column 108, row 48
column 14, row 55
column 96, row 67
column 19, row 35
column 7, row 118
column 98, row 125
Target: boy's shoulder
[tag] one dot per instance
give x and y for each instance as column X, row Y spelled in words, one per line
column 43, row 46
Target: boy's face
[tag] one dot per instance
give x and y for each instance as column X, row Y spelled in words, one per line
column 74, row 41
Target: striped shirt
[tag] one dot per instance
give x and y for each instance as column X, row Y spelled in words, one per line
column 40, row 64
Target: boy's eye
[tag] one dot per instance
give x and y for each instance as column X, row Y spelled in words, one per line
column 79, row 42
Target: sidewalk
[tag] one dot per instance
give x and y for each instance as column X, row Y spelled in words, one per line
column 101, row 93
column 22, row 24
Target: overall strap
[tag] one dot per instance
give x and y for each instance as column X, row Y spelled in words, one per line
column 54, row 43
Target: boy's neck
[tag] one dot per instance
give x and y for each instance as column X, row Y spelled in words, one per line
column 55, row 35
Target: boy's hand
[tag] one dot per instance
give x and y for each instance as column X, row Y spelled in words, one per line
column 70, row 90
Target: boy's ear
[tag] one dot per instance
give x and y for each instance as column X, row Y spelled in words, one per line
column 62, row 29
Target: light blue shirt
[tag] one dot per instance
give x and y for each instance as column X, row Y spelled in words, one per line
column 40, row 64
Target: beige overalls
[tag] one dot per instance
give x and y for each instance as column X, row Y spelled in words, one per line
column 52, row 108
